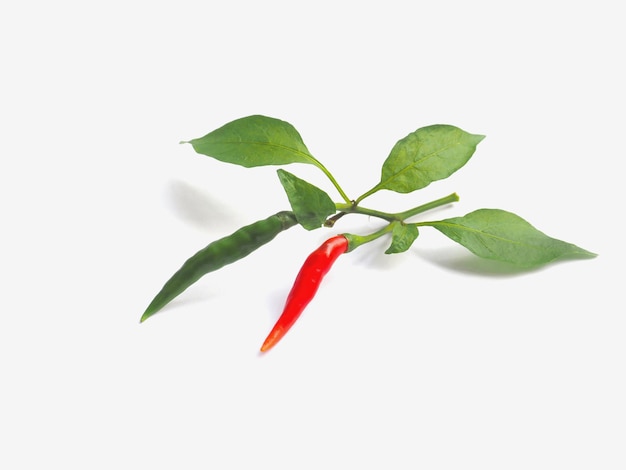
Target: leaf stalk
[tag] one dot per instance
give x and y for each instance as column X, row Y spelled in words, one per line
column 332, row 179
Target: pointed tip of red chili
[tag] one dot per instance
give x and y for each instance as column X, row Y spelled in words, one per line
column 266, row 346
column 274, row 337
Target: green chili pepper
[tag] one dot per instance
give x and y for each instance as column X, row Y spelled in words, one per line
column 220, row 253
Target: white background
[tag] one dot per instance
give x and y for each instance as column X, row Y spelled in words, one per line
column 429, row 359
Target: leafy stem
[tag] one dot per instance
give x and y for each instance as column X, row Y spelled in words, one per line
column 428, row 206
column 429, row 154
column 353, row 208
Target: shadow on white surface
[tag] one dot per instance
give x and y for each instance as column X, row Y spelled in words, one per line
column 462, row 261
column 196, row 207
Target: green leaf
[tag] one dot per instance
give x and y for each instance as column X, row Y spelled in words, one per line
column 402, row 237
column 255, row 141
column 310, row 204
column 503, row 236
column 426, row 155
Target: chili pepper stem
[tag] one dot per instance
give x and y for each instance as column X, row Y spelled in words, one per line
column 355, row 241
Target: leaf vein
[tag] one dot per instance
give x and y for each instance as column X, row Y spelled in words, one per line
column 486, row 234
column 271, row 144
column 415, row 163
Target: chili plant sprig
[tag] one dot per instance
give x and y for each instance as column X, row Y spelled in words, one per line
column 429, row 154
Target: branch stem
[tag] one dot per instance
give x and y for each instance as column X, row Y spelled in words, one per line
column 353, row 208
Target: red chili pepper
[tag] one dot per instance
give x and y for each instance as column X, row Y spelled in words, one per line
column 305, row 286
